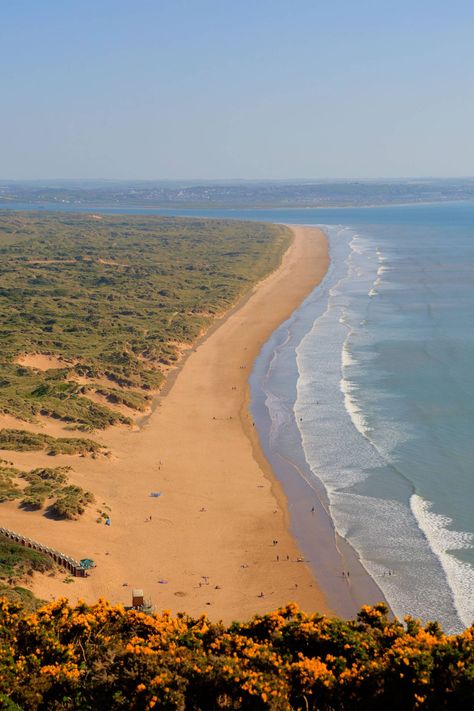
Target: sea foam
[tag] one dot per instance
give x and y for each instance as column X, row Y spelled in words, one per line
column 443, row 541
column 339, row 447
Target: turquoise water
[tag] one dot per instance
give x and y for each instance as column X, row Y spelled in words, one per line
column 374, row 373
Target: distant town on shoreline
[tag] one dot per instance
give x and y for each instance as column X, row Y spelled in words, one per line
column 235, row 193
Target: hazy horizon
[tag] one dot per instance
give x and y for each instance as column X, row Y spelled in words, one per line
column 244, row 180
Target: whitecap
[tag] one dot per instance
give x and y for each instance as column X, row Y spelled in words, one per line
column 443, row 541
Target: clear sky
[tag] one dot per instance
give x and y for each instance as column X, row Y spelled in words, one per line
column 236, row 88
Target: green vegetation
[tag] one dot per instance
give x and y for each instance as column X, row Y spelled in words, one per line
column 45, row 487
column 16, row 561
column 112, row 296
column 103, row 657
column 9, row 489
column 71, row 502
column 130, row 398
column 22, row 441
column 25, row 392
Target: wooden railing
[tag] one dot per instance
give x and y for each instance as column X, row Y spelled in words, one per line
column 73, row 566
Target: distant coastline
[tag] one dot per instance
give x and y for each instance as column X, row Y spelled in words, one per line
column 70, row 195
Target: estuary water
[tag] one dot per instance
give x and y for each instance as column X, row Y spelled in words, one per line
column 369, row 390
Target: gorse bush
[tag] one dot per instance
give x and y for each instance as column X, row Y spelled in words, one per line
column 104, row 657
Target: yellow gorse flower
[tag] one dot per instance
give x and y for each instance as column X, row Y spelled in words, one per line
column 280, row 658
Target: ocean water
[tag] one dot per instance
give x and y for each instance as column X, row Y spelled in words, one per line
column 384, row 399
column 368, row 390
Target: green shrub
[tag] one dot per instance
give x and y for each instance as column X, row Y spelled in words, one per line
column 23, row 441
column 16, row 561
column 9, row 489
column 71, row 502
column 44, row 485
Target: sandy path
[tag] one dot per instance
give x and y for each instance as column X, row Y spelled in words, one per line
column 210, row 538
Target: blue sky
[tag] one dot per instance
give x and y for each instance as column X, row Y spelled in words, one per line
column 236, row 89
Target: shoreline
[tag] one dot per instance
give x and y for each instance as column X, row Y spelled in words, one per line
column 330, row 555
column 333, row 555
column 206, row 544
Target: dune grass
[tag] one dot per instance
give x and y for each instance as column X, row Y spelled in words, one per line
column 46, row 488
column 16, row 561
column 23, row 441
column 113, row 296
column 17, row 565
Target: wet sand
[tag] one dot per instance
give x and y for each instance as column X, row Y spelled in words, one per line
column 207, row 543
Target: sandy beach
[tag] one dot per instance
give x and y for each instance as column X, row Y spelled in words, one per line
column 216, row 540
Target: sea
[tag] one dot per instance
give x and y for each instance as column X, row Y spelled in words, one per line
column 369, row 389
